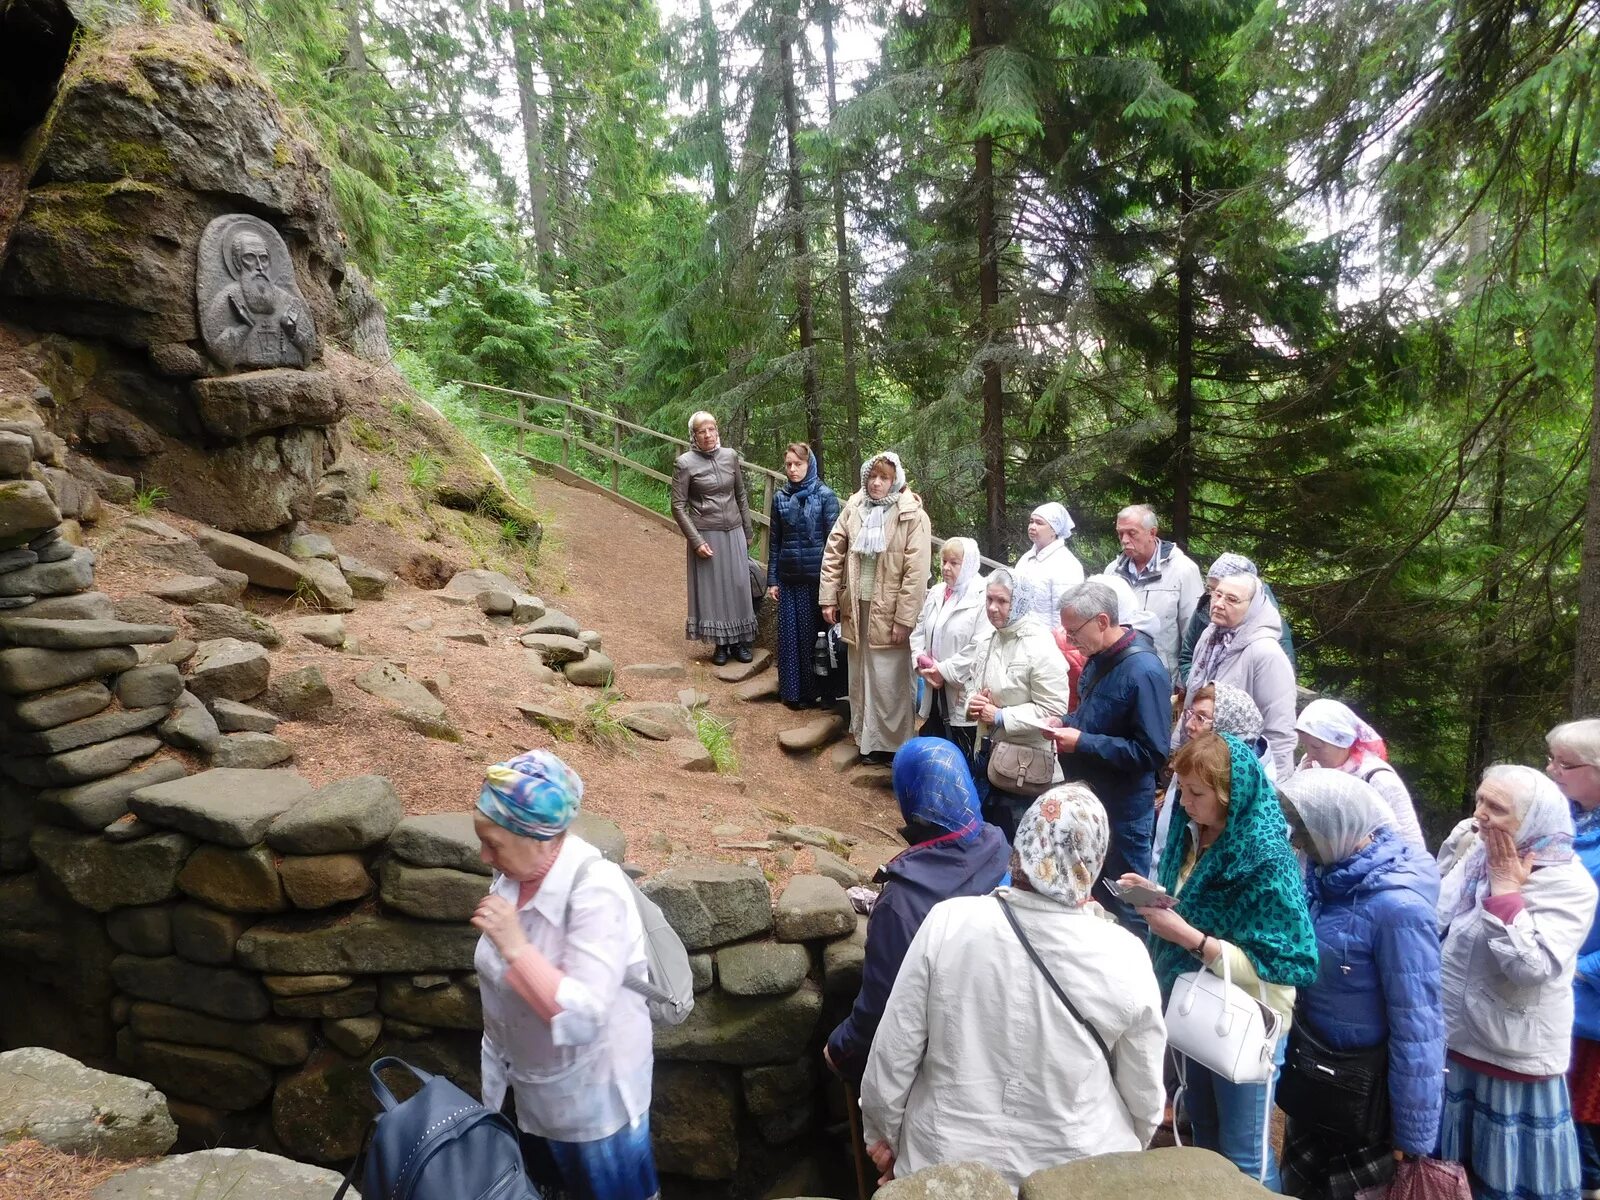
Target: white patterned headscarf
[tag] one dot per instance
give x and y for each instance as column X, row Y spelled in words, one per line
column 971, row 561
column 1544, row 830
column 1057, row 517
column 874, row 532
column 1061, row 843
column 1336, row 811
column 1022, row 594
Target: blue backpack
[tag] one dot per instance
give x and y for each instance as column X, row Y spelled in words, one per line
column 439, row 1145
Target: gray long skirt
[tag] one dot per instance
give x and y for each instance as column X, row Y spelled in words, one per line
column 720, row 608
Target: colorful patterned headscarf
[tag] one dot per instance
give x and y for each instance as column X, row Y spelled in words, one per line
column 1061, row 843
column 934, row 786
column 533, row 795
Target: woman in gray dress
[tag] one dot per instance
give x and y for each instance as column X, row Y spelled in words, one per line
column 711, row 504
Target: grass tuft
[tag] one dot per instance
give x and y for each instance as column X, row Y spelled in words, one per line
column 716, row 735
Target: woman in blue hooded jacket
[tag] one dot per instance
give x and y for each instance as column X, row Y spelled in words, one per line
column 803, row 513
column 953, row 853
column 1574, row 765
column 1372, row 899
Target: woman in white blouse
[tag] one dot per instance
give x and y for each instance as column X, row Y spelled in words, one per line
column 952, row 616
column 561, row 1031
column 1048, row 568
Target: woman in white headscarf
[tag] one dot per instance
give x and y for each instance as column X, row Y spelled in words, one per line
column 1371, row 897
column 951, row 618
column 1241, row 647
column 1333, row 737
column 1016, row 681
column 981, row 1056
column 1513, row 912
column 1048, row 568
column 874, row 580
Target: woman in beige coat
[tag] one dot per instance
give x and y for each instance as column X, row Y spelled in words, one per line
column 874, row 580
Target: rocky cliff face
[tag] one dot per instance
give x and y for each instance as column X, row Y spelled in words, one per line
column 155, row 131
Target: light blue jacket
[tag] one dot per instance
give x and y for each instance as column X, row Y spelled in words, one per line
column 1586, row 983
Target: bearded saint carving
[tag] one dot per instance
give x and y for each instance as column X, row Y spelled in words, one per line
column 252, row 314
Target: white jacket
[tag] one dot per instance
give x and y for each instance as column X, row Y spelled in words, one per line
column 1507, row 988
column 1026, row 676
column 1170, row 592
column 587, row 1073
column 1053, row 572
column 943, row 631
column 978, row 1059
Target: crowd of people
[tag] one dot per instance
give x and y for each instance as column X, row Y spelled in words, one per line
column 1124, row 901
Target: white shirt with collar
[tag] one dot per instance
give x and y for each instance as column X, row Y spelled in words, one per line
column 586, row 1073
column 1053, row 572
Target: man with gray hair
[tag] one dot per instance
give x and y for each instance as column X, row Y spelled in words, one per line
column 1164, row 578
column 1116, row 740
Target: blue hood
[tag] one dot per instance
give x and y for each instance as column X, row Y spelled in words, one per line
column 1388, row 864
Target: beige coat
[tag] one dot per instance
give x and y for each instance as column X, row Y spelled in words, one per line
column 1025, row 674
column 903, row 567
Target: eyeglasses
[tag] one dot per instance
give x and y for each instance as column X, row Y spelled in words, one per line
column 1555, row 762
column 1204, row 720
column 1073, row 633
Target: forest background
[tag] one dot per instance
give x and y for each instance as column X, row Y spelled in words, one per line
column 1314, row 278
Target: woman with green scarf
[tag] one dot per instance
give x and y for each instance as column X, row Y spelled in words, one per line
column 1239, row 895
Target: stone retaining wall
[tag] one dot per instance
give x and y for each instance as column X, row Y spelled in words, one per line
column 250, row 943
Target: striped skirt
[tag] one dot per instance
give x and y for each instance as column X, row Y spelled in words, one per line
column 720, row 608
column 1515, row 1138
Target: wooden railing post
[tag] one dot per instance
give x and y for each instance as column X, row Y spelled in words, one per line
column 766, row 531
column 616, row 452
column 522, row 419
column 566, row 438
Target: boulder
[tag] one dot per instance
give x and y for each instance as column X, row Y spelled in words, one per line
column 761, row 968
column 702, row 970
column 555, row 649
column 554, row 717
column 85, row 606
column 948, row 1181
column 692, row 756
column 26, row 509
column 603, row 834
column 178, row 652
column 102, row 727
column 261, row 566
column 221, row 1175
column 353, row 1035
column 31, row 669
column 446, row 1004
column 709, row 904
column 256, row 485
column 299, row 693
column 556, row 621
column 251, row 751
column 743, row 1031
column 593, row 670
column 470, row 583
column 350, row 814
column 737, row 672
column 16, row 455
column 326, row 629
column 391, row 684
column 493, row 602
column 216, row 991
column 233, row 717
column 327, row 585
column 323, row 880
column 694, row 1112
column 62, row 634
column 171, row 549
column 155, row 686
column 441, row 840
column 770, row 1090
column 204, row 935
column 590, row 638
column 526, row 608
column 1171, row 1172
column 276, row 1043
column 142, row 610
column 56, row 707
column 229, row 669
column 366, row 582
column 837, row 869
column 360, row 998
column 692, row 698
column 146, row 930
column 305, row 985
column 654, row 719
column 84, row 765
column 219, row 1078
column 60, row 1102
column 428, row 725
column 235, row 406
column 244, row 881
column 813, row 908
column 358, row 943
column 467, row 637
column 212, row 622
column 69, row 575
column 229, row 807
column 191, row 726
column 814, row 734
column 432, row 893
column 92, row 806
column 198, row 589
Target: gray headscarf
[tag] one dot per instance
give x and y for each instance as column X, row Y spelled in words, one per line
column 1022, row 593
column 874, row 535
column 1337, row 812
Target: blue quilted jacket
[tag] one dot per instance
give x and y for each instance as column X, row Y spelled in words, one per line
column 1586, row 983
column 1379, row 942
column 802, row 517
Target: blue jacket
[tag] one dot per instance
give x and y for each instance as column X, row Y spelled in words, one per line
column 802, row 517
column 1379, row 941
column 1586, row 983
column 1126, row 724
column 916, row 880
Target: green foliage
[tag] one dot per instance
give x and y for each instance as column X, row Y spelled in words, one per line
column 598, row 724
column 716, row 735
column 147, row 499
column 422, row 470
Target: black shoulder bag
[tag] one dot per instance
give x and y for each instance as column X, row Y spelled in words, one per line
column 1016, row 927
column 1342, row 1094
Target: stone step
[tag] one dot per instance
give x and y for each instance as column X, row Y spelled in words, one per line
column 735, row 671
column 813, row 735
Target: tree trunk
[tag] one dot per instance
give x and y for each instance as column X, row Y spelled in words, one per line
column 532, row 138
column 1586, row 672
column 355, row 46
column 1480, row 745
column 992, row 431
column 841, row 252
column 1183, row 388
column 802, row 260
column 721, row 171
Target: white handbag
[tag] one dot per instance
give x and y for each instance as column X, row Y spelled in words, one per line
column 1222, row 1027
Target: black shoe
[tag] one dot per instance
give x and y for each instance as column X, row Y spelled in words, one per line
column 743, row 653
column 794, row 705
column 719, row 657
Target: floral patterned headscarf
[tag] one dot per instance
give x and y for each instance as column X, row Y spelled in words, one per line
column 1061, row 843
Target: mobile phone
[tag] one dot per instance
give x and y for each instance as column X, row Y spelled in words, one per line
column 1140, row 896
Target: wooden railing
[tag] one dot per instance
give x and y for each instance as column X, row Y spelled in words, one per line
column 764, row 481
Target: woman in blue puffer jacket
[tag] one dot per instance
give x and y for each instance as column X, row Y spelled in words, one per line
column 1372, row 899
column 803, row 513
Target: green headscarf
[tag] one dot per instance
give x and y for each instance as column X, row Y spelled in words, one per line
column 1246, row 889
